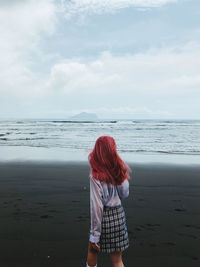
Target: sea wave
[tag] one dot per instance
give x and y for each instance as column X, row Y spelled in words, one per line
column 133, row 136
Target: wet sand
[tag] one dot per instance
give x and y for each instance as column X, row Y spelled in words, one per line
column 44, row 209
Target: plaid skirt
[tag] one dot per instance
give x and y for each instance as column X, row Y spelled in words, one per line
column 114, row 234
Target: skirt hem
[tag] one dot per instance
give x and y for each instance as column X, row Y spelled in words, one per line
column 113, row 250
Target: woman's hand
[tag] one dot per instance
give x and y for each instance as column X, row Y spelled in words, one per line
column 95, row 246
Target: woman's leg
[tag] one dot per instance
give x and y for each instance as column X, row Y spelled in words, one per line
column 92, row 256
column 116, row 258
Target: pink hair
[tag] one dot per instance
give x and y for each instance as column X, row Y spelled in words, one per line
column 106, row 165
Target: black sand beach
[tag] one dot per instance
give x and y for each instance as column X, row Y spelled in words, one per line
column 44, row 209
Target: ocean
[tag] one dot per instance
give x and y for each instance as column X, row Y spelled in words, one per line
column 64, row 139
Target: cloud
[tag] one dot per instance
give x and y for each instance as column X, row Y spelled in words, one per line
column 24, row 23
column 73, row 76
column 164, row 74
column 167, row 71
column 102, row 6
column 21, row 25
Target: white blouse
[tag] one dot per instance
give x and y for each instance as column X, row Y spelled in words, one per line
column 103, row 194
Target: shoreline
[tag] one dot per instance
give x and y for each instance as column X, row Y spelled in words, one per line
column 26, row 153
column 64, row 163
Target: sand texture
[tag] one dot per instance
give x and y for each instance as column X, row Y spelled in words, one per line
column 44, row 215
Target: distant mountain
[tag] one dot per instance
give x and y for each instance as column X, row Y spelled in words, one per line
column 84, row 116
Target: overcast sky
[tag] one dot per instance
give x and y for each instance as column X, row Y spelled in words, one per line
column 136, row 59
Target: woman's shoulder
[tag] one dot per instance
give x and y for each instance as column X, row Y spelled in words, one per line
column 100, row 182
column 94, row 180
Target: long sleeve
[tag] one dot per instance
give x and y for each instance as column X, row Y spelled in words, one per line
column 123, row 189
column 96, row 209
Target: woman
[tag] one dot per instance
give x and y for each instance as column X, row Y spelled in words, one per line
column 109, row 184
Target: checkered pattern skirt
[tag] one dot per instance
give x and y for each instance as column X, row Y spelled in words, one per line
column 114, row 234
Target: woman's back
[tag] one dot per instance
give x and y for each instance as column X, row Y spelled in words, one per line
column 111, row 194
